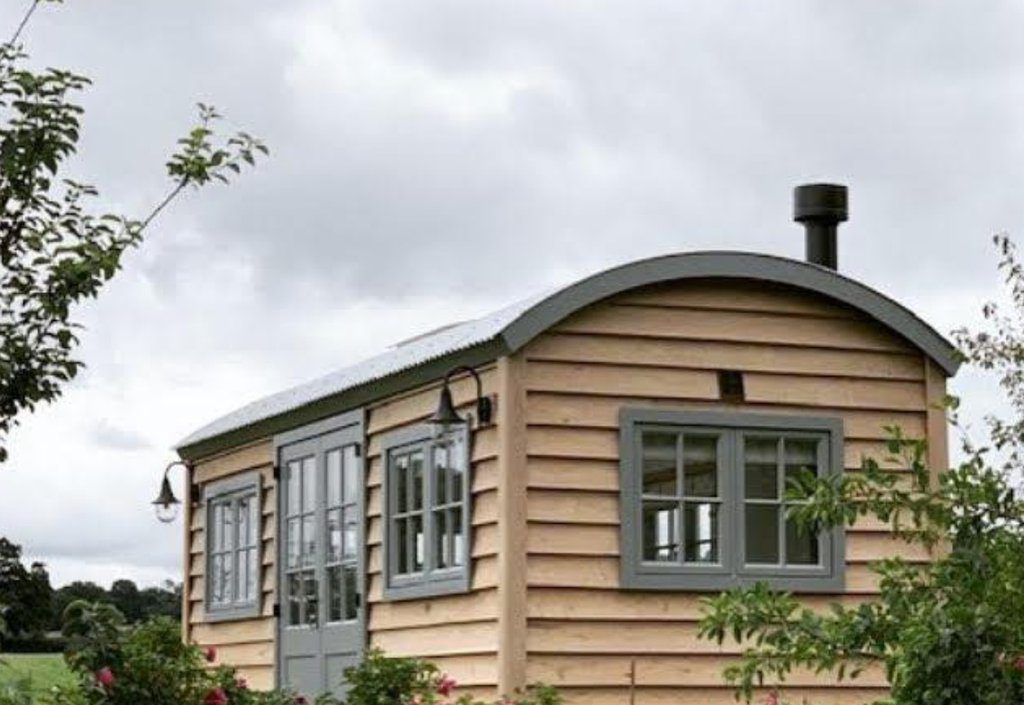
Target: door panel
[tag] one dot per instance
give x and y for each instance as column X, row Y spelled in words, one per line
column 321, row 557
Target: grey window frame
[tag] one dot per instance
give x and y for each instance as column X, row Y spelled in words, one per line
column 730, row 572
column 431, row 581
column 218, row 492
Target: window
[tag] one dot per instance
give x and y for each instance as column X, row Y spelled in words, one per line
column 233, row 547
column 427, row 506
column 703, row 500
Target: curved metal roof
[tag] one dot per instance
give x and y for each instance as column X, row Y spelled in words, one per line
column 511, row 328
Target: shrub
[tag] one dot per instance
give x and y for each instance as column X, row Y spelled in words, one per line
column 381, row 680
column 147, row 663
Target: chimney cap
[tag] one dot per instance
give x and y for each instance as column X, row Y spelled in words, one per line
column 820, row 202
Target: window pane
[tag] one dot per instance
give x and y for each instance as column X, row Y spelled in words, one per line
column 659, row 464
column 700, row 466
column 243, row 521
column 333, row 535
column 251, row 538
column 312, row 596
column 294, row 598
column 458, row 539
column 216, row 530
column 348, row 541
column 660, row 531
column 761, row 472
column 308, row 540
column 350, row 466
column 227, row 526
column 216, row 579
column 701, row 532
column 801, row 546
column 441, row 539
column 227, row 580
column 308, row 485
column 241, row 577
column 418, row 542
column 801, row 459
column 294, row 489
column 351, row 592
column 294, row 542
column 399, row 480
column 334, row 594
column 440, row 475
column 401, row 544
column 334, row 478
column 457, row 465
column 762, row 533
column 253, row 585
column 416, row 480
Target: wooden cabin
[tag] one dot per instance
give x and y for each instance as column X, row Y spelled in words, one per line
column 643, row 423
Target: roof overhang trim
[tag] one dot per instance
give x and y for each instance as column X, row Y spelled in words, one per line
column 538, row 317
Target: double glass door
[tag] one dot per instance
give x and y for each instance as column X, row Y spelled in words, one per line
column 321, row 559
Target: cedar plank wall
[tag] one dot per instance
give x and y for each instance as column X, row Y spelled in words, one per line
column 247, row 644
column 458, row 633
column 659, row 346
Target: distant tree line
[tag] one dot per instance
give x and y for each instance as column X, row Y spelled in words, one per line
column 30, row 606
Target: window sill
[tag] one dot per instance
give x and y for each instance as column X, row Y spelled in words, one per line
column 437, row 587
column 231, row 613
column 697, row 581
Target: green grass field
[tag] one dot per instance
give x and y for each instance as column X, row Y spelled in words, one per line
column 46, row 670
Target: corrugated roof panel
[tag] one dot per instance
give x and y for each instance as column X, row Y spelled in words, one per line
column 409, row 354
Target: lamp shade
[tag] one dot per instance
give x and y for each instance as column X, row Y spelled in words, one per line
column 166, row 504
column 446, row 416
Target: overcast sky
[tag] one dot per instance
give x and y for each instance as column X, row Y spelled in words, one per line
column 435, row 160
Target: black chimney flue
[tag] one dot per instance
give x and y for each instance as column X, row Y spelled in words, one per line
column 821, row 208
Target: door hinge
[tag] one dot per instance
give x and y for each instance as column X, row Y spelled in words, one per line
column 277, row 609
column 277, row 472
column 358, row 449
column 359, row 600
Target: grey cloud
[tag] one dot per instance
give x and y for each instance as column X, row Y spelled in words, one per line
column 432, row 160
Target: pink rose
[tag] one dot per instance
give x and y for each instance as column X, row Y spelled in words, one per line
column 217, row 696
column 301, row 700
column 1019, row 663
column 210, row 653
column 241, row 683
column 446, row 685
column 772, row 698
column 105, row 677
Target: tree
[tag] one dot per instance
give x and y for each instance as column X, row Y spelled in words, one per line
column 55, row 251
column 124, row 594
column 72, row 592
column 25, row 593
column 947, row 633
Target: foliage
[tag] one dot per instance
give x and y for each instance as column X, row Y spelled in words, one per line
column 146, row 663
column 383, row 680
column 55, row 251
column 949, row 632
column 135, row 604
column 26, row 592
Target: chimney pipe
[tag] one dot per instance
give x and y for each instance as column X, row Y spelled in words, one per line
column 821, row 208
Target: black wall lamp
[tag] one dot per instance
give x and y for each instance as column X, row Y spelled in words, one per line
column 166, row 504
column 446, row 417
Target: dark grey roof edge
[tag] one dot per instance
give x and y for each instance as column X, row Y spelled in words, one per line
column 548, row 311
column 741, row 265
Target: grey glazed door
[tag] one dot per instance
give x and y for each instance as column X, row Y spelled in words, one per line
column 321, row 622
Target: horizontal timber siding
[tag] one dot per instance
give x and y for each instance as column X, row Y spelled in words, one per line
column 661, row 347
column 247, row 644
column 458, row 633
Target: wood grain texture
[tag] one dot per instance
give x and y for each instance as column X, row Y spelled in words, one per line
column 799, row 355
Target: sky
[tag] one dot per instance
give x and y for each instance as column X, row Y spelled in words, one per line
column 433, row 161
